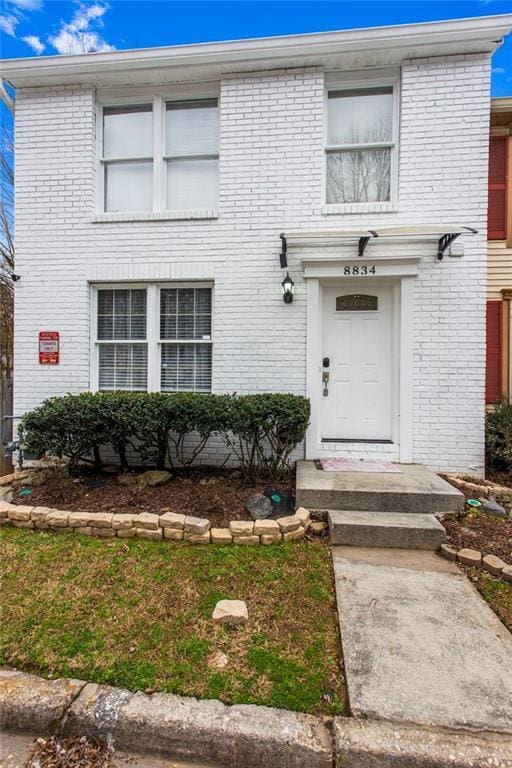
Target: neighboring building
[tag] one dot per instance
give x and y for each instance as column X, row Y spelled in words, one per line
column 499, row 267
column 152, row 187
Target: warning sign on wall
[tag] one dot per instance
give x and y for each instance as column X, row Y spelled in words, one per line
column 48, row 347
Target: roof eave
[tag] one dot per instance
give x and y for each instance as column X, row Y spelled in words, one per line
column 482, row 34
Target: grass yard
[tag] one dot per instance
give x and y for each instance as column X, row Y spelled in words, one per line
column 137, row 614
column 496, row 592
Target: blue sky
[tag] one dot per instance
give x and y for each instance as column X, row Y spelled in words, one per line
column 44, row 27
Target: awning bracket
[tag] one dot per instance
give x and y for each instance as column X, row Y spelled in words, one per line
column 284, row 250
column 446, row 240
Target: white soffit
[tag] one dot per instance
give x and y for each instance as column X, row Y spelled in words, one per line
column 347, row 49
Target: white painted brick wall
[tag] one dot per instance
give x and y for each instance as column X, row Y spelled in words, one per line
column 271, row 180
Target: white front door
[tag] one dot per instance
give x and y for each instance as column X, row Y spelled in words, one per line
column 357, row 355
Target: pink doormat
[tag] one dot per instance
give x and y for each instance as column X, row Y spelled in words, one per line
column 359, row 465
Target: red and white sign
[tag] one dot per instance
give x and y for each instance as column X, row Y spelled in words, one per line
column 48, row 347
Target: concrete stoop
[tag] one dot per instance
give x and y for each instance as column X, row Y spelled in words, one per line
column 243, row 736
column 412, row 490
column 385, row 529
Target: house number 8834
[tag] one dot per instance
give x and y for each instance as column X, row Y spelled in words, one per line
column 359, row 270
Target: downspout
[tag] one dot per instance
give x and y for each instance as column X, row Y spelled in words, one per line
column 4, row 96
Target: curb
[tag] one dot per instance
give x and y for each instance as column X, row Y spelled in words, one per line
column 239, row 736
column 380, row 744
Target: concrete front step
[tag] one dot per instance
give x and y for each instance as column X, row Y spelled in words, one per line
column 385, row 529
column 413, row 489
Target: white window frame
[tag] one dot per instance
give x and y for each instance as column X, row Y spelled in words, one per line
column 153, row 341
column 141, row 98
column 361, row 81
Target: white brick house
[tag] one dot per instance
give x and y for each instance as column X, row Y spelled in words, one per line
column 152, row 187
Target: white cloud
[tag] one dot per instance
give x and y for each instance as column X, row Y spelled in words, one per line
column 35, row 43
column 8, row 24
column 27, row 5
column 81, row 34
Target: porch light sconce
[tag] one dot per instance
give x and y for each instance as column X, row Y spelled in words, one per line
column 287, row 285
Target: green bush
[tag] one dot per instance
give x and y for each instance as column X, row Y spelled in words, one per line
column 261, row 430
column 498, row 438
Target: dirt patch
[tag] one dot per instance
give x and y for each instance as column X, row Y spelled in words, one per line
column 218, row 496
column 477, row 530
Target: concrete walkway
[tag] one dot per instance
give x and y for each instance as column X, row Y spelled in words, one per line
column 419, row 643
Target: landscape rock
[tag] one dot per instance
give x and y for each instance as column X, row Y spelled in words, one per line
column 469, row 556
column 153, row 477
column 197, row 538
column 221, row 536
column 506, row 574
column 258, row 506
column 75, row 520
column 448, row 552
column 318, row 527
column 146, row 520
column 196, row 525
column 491, row 507
column 231, row 612
column 23, row 523
column 246, row 540
column 100, row 520
column 6, row 493
column 172, row 520
column 288, row 524
column 304, row 516
column 57, row 518
column 85, row 530
column 175, row 534
column 241, row 527
column 19, row 513
column 266, row 527
column 126, row 533
column 493, row 564
column 122, row 521
column 147, row 533
column 272, row 538
column 103, row 533
column 293, row 535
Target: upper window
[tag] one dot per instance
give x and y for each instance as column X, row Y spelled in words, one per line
column 160, row 156
column 360, row 145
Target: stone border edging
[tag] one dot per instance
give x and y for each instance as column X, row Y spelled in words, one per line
column 239, row 736
column 473, row 557
column 146, row 525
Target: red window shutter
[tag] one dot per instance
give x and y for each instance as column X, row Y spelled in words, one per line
column 497, row 209
column 493, row 352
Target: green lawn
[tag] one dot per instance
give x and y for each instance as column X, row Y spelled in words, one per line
column 496, row 592
column 137, row 614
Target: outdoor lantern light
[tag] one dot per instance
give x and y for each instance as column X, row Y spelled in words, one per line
column 287, row 286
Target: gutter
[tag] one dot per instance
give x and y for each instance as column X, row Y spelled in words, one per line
column 486, row 31
column 4, row 96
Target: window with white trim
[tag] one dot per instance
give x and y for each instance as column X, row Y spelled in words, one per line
column 151, row 338
column 360, row 145
column 161, row 156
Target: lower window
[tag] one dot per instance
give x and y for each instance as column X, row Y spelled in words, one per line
column 134, row 354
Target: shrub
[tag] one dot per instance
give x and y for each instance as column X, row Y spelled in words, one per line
column 498, row 438
column 262, row 430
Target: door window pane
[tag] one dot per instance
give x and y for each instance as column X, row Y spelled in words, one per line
column 129, row 186
column 191, row 128
column 127, row 132
column 360, row 117
column 192, row 184
column 358, row 176
column 123, row 366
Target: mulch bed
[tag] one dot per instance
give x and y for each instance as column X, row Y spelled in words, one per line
column 490, row 535
column 218, row 495
column 69, row 753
